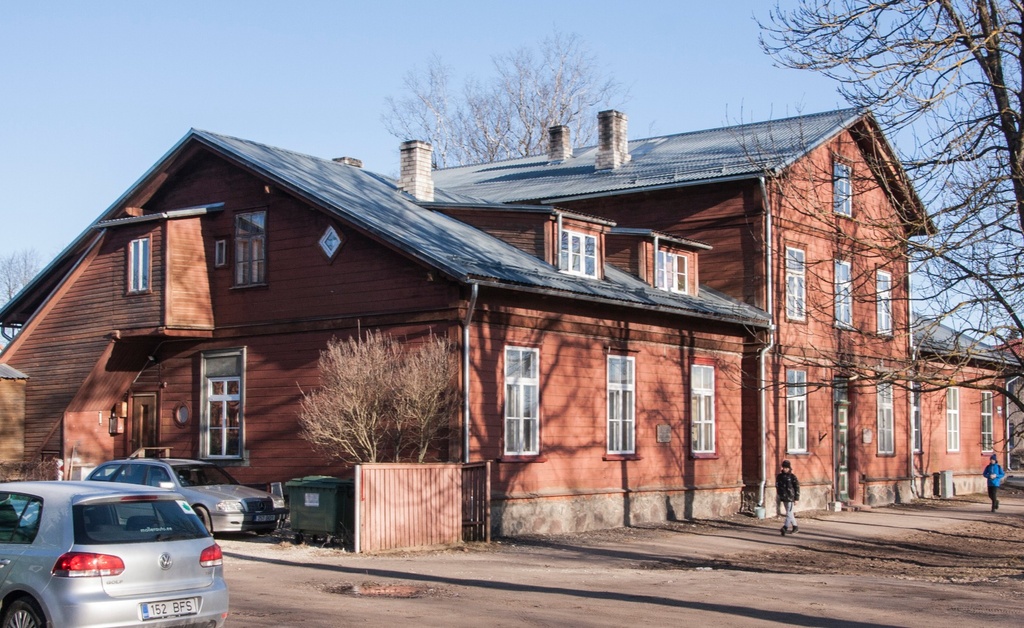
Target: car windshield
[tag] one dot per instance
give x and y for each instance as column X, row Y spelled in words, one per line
column 202, row 475
column 135, row 522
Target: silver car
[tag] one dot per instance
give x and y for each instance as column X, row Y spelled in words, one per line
column 219, row 500
column 92, row 554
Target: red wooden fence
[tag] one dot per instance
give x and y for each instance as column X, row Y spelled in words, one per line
column 400, row 506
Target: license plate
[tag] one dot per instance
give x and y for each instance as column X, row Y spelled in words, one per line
column 262, row 518
column 170, row 608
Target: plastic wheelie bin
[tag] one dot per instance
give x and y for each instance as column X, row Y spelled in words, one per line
column 322, row 506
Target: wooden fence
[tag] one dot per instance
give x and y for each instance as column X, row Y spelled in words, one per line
column 400, row 506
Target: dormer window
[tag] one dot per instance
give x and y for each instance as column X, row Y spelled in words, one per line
column 578, row 254
column 138, row 265
column 672, row 272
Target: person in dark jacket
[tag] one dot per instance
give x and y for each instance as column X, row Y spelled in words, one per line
column 994, row 474
column 787, row 488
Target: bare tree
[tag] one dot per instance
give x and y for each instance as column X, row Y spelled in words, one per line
column 943, row 77
column 379, row 400
column 16, row 270
column 507, row 116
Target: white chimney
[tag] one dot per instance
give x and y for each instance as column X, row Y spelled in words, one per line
column 613, row 144
column 559, row 143
column 416, row 177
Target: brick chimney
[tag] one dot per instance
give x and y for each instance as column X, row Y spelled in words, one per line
column 416, row 177
column 559, row 143
column 613, row 146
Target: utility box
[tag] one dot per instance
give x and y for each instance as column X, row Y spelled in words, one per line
column 945, row 480
column 322, row 506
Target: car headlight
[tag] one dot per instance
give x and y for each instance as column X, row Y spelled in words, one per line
column 278, row 502
column 229, row 506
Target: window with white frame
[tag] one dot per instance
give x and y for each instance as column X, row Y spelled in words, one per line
column 915, row 418
column 251, row 248
column 138, row 265
column 578, row 253
column 702, row 408
column 522, row 401
column 796, row 284
column 220, row 253
column 796, row 411
column 987, row 432
column 886, row 436
column 883, row 294
column 621, row 404
column 844, row 294
column 671, row 272
column 952, row 419
column 842, row 197
column 223, row 392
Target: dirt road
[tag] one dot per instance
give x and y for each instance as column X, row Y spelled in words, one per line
column 934, row 563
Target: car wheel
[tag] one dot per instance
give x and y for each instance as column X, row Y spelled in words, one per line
column 24, row 613
column 204, row 516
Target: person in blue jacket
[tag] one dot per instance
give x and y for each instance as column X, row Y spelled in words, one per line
column 994, row 474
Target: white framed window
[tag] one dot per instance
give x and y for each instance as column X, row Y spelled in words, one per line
column 844, row 294
column 842, row 196
column 886, row 436
column 621, row 405
column 578, row 253
column 139, row 264
column 672, row 272
column 796, row 411
column 883, row 307
column 952, row 419
column 915, row 416
column 987, row 432
column 702, row 408
column 522, row 401
column 222, row 423
column 251, row 248
column 796, row 284
column 220, row 253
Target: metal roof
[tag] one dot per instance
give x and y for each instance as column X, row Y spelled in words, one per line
column 741, row 151
column 9, row 372
column 373, row 203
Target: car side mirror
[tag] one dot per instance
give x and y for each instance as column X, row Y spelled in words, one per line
column 166, row 484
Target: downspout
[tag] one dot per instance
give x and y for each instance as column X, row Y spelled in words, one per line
column 769, row 306
column 558, row 242
column 465, row 372
column 654, row 261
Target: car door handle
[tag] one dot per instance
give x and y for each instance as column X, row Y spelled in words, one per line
column 4, row 562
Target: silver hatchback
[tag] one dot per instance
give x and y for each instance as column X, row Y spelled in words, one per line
column 92, row 554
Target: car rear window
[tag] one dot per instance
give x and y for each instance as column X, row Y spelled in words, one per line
column 135, row 522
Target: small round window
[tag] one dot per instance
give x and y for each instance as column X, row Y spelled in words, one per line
column 181, row 414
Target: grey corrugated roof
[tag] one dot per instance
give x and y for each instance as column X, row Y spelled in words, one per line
column 745, row 150
column 373, row 203
column 9, row 372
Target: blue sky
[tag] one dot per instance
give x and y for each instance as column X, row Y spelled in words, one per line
column 94, row 93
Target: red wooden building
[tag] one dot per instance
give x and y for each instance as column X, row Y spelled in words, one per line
column 646, row 329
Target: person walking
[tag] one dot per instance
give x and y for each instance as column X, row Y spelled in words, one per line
column 994, row 474
column 787, row 488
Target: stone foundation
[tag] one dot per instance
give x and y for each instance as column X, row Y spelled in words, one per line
column 570, row 514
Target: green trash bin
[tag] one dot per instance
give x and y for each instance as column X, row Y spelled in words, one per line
column 322, row 506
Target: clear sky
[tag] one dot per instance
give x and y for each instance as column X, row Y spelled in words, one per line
column 94, row 93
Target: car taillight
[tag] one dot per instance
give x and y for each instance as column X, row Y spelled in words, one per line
column 211, row 556
column 87, row 565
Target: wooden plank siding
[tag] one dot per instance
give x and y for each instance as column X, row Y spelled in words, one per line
column 574, row 344
column 408, row 506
